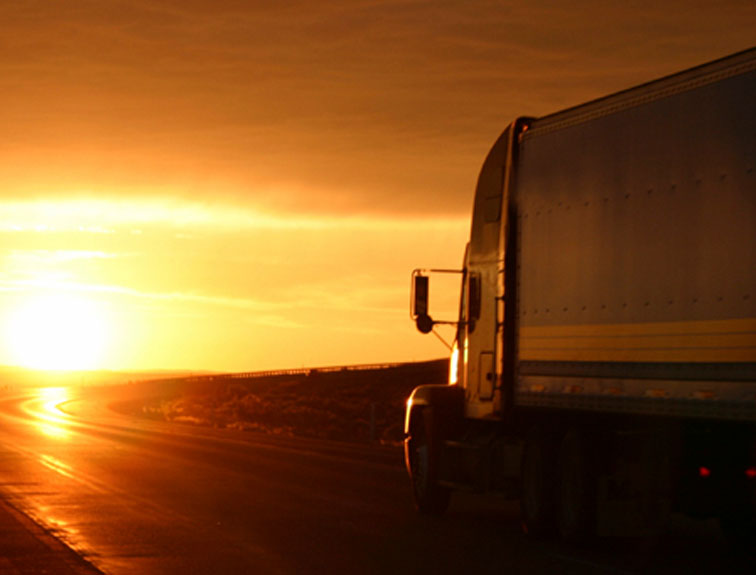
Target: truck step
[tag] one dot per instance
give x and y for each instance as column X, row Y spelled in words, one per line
column 464, row 445
column 460, row 486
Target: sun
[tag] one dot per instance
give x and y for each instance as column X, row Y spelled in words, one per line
column 57, row 332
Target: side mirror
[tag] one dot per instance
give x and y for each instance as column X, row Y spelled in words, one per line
column 424, row 323
column 420, row 304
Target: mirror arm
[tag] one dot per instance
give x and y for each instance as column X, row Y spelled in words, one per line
column 438, row 335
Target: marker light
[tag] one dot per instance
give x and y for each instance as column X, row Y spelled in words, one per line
column 704, row 472
column 751, row 473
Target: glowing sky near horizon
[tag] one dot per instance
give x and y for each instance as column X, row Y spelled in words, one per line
column 247, row 185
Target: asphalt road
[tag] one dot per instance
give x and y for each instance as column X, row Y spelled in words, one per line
column 142, row 497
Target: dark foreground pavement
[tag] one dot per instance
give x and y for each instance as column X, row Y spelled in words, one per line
column 27, row 548
column 140, row 497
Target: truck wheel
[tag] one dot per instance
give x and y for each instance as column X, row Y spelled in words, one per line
column 537, row 483
column 430, row 497
column 576, row 507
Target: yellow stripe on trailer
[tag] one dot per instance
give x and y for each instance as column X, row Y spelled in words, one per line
column 732, row 340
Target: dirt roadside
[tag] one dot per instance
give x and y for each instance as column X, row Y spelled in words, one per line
column 26, row 548
column 357, row 404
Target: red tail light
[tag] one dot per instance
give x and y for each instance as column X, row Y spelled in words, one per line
column 751, row 473
column 704, row 471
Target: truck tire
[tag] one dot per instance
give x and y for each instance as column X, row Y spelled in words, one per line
column 576, row 506
column 538, row 484
column 430, row 497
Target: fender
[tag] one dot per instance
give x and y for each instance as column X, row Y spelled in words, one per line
column 447, row 402
column 440, row 409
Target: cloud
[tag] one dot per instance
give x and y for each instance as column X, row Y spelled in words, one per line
column 60, row 284
column 133, row 215
column 37, row 258
column 337, row 107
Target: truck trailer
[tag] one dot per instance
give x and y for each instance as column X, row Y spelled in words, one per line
column 604, row 364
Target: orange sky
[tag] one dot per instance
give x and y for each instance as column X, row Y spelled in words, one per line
column 247, row 185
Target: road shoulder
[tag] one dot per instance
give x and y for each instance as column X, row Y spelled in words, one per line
column 25, row 547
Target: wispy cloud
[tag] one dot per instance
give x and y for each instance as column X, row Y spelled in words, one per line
column 55, row 284
column 33, row 258
column 89, row 215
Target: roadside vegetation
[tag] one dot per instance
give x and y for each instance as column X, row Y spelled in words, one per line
column 344, row 404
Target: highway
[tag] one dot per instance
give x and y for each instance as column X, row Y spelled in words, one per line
column 135, row 496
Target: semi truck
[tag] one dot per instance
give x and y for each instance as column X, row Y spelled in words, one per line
column 603, row 369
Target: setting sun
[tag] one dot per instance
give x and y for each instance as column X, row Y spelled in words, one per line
column 57, row 332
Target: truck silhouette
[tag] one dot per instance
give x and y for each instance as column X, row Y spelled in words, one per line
column 604, row 365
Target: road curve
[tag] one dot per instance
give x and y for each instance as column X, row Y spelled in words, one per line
column 143, row 497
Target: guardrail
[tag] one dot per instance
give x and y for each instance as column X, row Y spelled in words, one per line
column 305, row 371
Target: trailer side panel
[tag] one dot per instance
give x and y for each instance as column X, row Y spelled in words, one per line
column 637, row 245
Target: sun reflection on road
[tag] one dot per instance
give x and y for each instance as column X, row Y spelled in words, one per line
column 50, row 420
column 57, row 465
